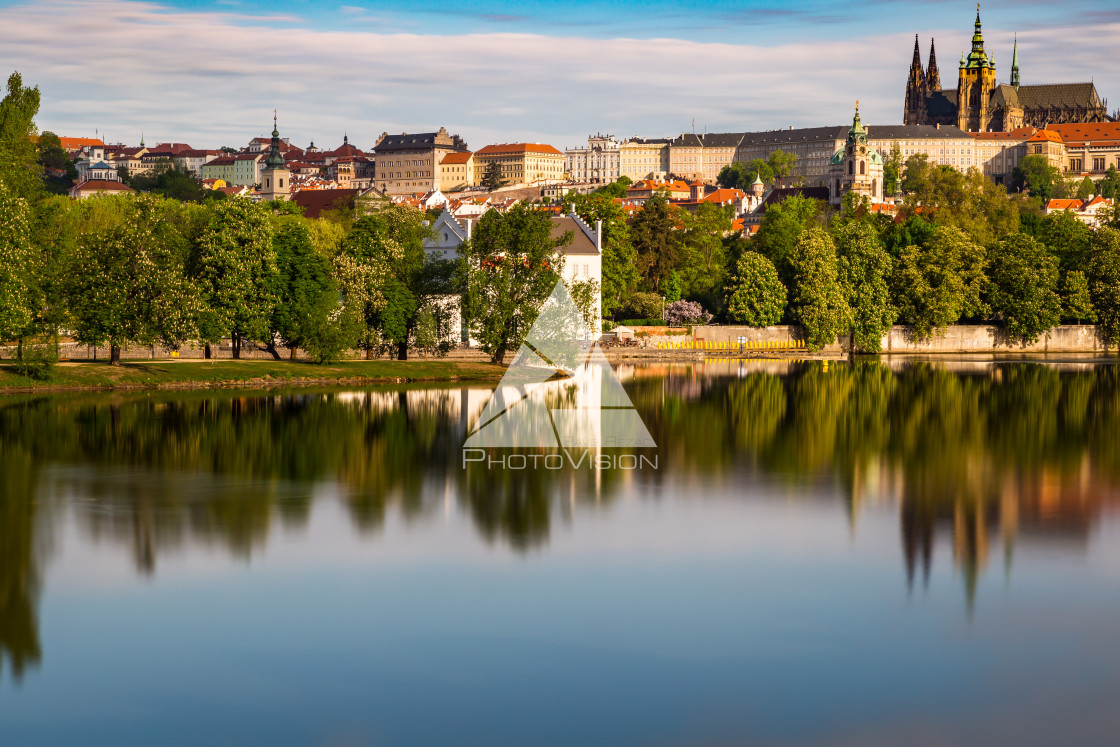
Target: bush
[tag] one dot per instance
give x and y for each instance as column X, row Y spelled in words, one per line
column 681, row 313
column 643, row 305
column 38, row 361
column 642, row 323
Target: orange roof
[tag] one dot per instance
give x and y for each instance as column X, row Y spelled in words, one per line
column 457, row 157
column 1082, row 133
column 74, row 143
column 724, row 195
column 494, row 150
column 1098, row 200
column 1048, row 135
column 1063, row 205
column 102, row 185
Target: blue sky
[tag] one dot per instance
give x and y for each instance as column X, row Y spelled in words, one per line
column 210, row 73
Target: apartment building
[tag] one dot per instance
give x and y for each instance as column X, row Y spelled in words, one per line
column 521, row 163
column 411, row 163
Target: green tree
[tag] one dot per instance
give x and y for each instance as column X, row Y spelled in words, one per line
column 703, row 261
column 234, row 265
column 672, row 287
column 306, row 293
column 892, row 170
column 16, row 266
column 781, row 229
column 509, row 267
column 1104, row 280
column 619, row 269
column 742, row 175
column 492, row 176
column 1035, row 173
column 129, row 284
column 1110, row 184
column 19, row 156
column 817, row 300
column 865, row 268
column 1068, row 239
column 1077, row 305
column 917, row 174
column 1023, row 287
column 935, row 284
column 757, row 297
column 657, row 240
column 1086, row 189
column 781, row 164
column 614, row 190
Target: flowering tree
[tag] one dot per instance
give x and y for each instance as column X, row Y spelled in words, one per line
column 234, row 266
column 817, row 301
column 15, row 265
column 680, row 313
column 129, row 285
column 757, row 297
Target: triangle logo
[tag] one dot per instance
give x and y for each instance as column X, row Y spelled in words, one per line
column 559, row 391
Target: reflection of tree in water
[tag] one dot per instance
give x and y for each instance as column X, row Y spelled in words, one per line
column 19, row 566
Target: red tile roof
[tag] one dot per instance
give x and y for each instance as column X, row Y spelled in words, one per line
column 1086, row 133
column 1048, row 135
column 463, row 157
column 511, row 148
column 101, row 185
column 1063, row 205
column 76, row 143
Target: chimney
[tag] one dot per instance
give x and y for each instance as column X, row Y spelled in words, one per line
column 468, row 229
column 599, row 236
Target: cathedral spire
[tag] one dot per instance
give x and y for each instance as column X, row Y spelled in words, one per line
column 915, row 89
column 1015, row 63
column 933, row 77
column 916, row 63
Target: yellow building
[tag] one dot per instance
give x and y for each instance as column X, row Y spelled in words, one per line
column 641, row 158
column 521, row 163
column 456, row 171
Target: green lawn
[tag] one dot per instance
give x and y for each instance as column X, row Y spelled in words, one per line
column 249, row 372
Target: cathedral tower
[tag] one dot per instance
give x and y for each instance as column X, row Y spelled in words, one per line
column 915, row 112
column 975, row 83
column 933, row 77
column 1015, row 64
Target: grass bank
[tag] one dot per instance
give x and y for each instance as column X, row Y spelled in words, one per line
column 192, row 374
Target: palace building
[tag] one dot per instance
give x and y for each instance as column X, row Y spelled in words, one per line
column 981, row 104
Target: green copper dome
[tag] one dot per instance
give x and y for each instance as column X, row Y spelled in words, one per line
column 977, row 58
column 275, row 158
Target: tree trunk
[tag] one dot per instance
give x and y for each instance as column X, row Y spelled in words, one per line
column 402, row 351
column 236, row 344
column 272, row 349
column 292, row 354
column 207, row 354
column 114, row 355
column 369, row 353
column 498, row 355
column 19, row 349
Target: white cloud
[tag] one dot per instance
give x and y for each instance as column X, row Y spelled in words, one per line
column 213, row 78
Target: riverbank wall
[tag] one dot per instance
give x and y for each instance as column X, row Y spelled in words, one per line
column 957, row 339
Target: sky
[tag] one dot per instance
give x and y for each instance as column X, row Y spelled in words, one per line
column 210, row 72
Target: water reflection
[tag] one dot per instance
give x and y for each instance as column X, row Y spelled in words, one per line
column 987, row 456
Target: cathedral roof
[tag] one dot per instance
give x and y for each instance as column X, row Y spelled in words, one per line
column 1058, row 94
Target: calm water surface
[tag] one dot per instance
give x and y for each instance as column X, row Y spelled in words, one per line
column 877, row 553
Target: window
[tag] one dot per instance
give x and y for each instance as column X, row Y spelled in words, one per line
column 1075, row 164
column 1098, row 164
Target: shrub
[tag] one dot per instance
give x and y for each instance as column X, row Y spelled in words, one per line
column 681, row 313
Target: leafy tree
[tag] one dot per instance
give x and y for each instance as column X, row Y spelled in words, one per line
column 757, row 297
column 781, row 164
column 1110, row 185
column 16, row 265
column 865, row 268
column 742, row 175
column 19, row 157
column 1104, row 280
column 643, row 305
column 492, row 176
column 781, row 229
column 1077, row 305
column 1023, row 287
column 614, row 190
column 917, row 174
column 234, row 264
column 172, row 181
column 1086, row 189
column 672, row 287
column 892, row 170
column 129, row 283
column 1068, row 239
column 306, row 294
column 619, row 270
column 509, row 267
column 657, row 242
column 934, row 285
column 817, row 301
column 1035, row 173
column 703, row 261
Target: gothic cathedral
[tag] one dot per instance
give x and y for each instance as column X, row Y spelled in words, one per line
column 980, row 104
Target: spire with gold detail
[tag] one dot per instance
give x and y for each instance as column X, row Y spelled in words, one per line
column 977, row 58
